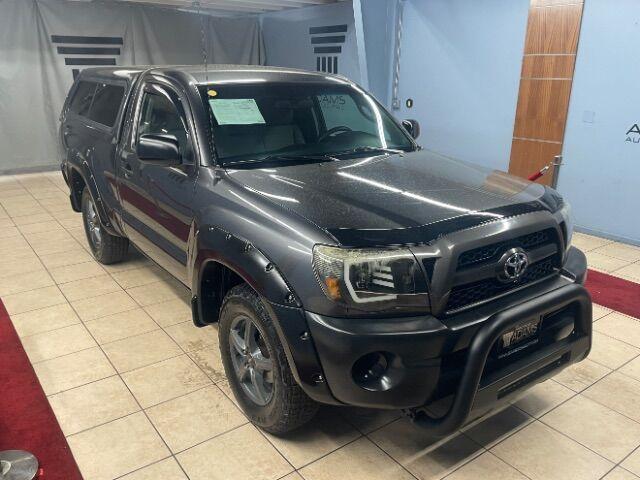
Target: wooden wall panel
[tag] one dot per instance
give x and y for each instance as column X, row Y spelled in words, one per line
column 553, row 29
column 548, row 66
column 542, row 109
column 550, row 50
column 532, row 156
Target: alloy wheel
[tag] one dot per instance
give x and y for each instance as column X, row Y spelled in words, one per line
column 251, row 361
column 93, row 224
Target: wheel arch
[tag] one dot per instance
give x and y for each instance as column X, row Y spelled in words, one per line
column 222, row 260
column 80, row 176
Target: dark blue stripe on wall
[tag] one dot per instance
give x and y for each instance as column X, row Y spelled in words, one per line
column 89, row 61
column 87, row 40
column 328, row 29
column 327, row 50
column 332, row 39
column 89, row 50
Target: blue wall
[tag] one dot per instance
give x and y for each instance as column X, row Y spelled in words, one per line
column 601, row 175
column 288, row 44
column 461, row 64
column 378, row 18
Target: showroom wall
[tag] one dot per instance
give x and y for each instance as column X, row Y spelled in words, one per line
column 35, row 38
column 378, row 19
column 601, row 174
column 461, row 66
column 288, row 39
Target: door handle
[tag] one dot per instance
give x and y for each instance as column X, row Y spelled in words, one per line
column 128, row 171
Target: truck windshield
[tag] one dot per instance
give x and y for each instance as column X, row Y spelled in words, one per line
column 290, row 122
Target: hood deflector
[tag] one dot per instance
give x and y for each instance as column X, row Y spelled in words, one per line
column 427, row 233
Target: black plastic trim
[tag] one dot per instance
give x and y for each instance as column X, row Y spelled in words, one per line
column 427, row 233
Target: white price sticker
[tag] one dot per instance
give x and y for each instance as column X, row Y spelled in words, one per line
column 236, row 111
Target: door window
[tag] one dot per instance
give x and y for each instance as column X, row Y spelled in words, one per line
column 82, row 98
column 106, row 104
column 160, row 116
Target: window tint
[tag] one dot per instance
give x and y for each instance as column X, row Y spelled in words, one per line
column 106, row 104
column 161, row 117
column 82, row 98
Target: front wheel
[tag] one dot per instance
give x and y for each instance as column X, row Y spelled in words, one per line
column 106, row 248
column 256, row 365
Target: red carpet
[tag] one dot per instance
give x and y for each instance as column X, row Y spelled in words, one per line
column 614, row 293
column 26, row 419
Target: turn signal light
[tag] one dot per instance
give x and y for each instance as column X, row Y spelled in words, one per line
column 333, row 287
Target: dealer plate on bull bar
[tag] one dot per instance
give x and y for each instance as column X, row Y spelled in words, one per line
column 519, row 337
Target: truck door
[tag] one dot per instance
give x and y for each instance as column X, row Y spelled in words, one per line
column 156, row 200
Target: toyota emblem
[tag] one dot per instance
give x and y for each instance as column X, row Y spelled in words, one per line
column 512, row 265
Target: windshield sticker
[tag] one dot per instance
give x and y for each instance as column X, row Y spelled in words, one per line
column 236, row 111
column 332, row 101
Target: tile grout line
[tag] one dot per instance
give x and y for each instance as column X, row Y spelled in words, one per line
column 118, row 373
column 224, row 394
column 137, row 402
column 619, row 464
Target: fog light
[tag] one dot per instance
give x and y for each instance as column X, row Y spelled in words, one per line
column 370, row 371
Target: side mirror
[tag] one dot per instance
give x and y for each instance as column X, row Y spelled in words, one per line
column 412, row 126
column 161, row 150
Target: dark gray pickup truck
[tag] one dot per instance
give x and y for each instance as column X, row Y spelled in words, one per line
column 342, row 263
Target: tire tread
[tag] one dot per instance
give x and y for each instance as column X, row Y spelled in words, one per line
column 113, row 249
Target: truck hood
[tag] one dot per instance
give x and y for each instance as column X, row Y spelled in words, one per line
column 395, row 198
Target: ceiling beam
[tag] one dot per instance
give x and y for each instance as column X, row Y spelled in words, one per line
column 239, row 6
column 205, row 7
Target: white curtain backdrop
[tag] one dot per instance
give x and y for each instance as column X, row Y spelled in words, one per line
column 43, row 41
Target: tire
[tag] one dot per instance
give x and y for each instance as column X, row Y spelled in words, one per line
column 283, row 405
column 106, row 248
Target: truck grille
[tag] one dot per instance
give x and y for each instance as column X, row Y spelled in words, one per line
column 476, row 292
column 543, row 248
column 492, row 252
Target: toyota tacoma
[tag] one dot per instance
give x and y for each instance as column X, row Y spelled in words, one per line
column 343, row 263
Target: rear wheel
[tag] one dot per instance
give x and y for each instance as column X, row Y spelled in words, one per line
column 106, row 248
column 257, row 367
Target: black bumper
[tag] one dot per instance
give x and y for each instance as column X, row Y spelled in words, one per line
column 452, row 364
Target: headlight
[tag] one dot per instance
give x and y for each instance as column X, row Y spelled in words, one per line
column 371, row 279
column 567, row 219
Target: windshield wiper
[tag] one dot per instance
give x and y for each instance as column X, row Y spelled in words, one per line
column 367, row 149
column 279, row 157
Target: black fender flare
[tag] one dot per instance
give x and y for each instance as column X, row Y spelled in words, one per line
column 214, row 244
column 86, row 174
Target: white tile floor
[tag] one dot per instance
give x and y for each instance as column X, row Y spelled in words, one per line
column 140, row 393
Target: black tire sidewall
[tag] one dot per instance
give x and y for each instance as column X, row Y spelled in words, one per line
column 267, row 415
